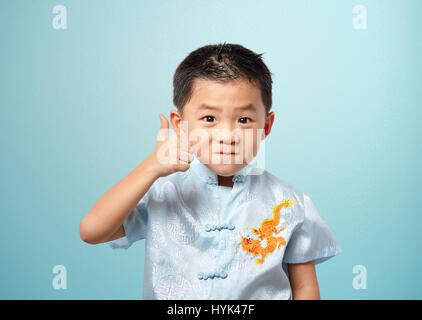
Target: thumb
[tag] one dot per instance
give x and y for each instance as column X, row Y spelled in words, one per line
column 164, row 130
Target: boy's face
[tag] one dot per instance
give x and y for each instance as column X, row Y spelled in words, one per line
column 225, row 123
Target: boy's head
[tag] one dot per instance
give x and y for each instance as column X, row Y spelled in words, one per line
column 224, row 94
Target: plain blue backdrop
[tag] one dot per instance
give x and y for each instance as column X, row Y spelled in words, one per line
column 79, row 111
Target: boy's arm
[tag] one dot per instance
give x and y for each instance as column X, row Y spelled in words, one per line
column 104, row 222
column 118, row 234
column 303, row 281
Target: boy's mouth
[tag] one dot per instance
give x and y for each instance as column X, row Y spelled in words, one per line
column 227, row 153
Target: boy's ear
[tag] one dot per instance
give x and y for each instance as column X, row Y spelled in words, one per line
column 268, row 125
column 175, row 120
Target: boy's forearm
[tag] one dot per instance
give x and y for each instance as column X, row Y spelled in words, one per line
column 109, row 212
column 306, row 293
column 303, row 281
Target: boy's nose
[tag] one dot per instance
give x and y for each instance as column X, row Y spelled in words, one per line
column 227, row 136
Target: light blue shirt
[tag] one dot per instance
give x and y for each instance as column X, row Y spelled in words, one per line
column 205, row 241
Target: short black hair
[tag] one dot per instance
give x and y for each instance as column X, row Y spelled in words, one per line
column 221, row 62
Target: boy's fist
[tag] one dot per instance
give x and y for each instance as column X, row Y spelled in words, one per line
column 172, row 152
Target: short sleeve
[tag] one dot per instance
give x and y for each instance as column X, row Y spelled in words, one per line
column 312, row 240
column 135, row 224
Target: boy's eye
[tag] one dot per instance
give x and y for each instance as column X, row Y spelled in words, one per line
column 244, row 120
column 208, row 118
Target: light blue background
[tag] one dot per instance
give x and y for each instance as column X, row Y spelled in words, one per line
column 79, row 111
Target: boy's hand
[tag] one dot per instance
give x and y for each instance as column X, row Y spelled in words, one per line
column 172, row 152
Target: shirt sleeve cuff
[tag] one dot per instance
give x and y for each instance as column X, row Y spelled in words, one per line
column 318, row 257
column 120, row 243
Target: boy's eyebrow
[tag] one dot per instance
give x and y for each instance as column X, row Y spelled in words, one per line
column 244, row 108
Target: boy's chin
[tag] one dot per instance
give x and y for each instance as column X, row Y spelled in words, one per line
column 225, row 170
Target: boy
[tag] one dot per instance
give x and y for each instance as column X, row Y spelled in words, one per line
column 213, row 228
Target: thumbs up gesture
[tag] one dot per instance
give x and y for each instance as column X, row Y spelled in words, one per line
column 172, row 152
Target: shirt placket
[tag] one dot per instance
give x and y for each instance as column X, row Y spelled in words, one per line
column 219, row 271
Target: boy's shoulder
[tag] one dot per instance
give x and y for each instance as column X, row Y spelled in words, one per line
column 269, row 180
column 276, row 189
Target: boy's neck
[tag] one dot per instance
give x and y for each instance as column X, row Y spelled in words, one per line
column 225, row 181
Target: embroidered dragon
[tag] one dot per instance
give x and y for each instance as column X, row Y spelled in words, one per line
column 267, row 229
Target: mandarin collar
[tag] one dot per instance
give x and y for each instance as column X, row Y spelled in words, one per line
column 210, row 177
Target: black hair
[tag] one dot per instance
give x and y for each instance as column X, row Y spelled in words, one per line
column 221, row 62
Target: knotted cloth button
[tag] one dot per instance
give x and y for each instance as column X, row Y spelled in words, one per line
column 238, row 178
column 211, row 180
column 218, row 227
column 211, row 275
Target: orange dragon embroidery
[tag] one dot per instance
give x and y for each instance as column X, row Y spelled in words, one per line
column 267, row 229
